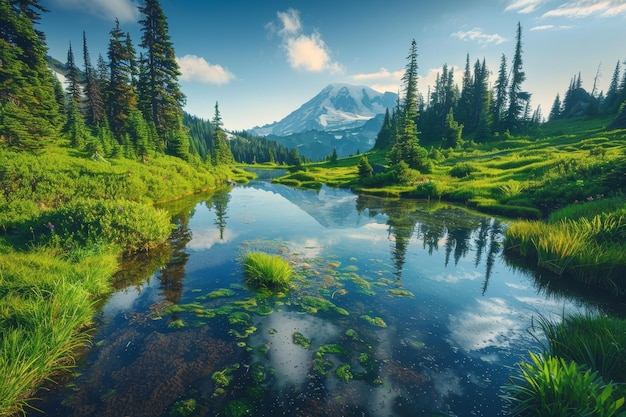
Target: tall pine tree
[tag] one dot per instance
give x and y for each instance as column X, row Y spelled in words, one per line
column 498, row 108
column 516, row 97
column 406, row 147
column 222, row 155
column 94, row 103
column 121, row 95
column 164, row 101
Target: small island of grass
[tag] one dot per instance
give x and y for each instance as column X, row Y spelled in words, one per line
column 265, row 270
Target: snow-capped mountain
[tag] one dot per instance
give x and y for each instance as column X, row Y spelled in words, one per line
column 337, row 107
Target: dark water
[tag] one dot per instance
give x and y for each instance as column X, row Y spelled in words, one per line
column 426, row 312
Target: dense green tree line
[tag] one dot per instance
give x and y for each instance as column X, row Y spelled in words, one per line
column 479, row 113
column 128, row 104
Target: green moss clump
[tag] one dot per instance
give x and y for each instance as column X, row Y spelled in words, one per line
column 183, row 408
column 176, row 324
column 239, row 317
column 331, row 348
column 375, row 321
column 222, row 378
column 299, row 339
column 352, row 334
column 402, row 293
column 344, row 372
column 237, row 408
column 222, row 292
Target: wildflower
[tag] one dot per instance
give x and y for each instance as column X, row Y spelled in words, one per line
column 51, row 226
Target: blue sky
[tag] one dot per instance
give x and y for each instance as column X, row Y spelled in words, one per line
column 263, row 59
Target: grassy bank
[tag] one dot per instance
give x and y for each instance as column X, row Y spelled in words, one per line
column 65, row 222
column 571, row 164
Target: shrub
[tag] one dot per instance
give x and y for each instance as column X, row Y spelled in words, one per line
column 271, row 271
column 426, row 189
column 132, row 226
column 551, row 386
column 463, row 169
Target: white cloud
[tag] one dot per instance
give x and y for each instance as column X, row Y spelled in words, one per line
column 123, row 10
column 309, row 53
column 586, row 8
column 381, row 74
column 291, row 24
column 196, row 69
column 524, row 6
column 477, row 35
column 304, row 52
column 549, row 27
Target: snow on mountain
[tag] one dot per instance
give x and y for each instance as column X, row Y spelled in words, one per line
column 337, row 107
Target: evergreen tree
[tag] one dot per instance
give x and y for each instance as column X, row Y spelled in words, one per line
column 29, row 110
column 466, row 100
column 333, row 156
column 386, row 133
column 121, row 95
column 94, row 103
column 500, row 94
column 72, row 76
column 612, row 94
column 555, row 111
column 32, row 10
column 364, row 167
column 482, row 102
column 222, row 155
column 518, row 76
column 452, row 132
column 75, row 126
column 406, row 146
column 165, row 99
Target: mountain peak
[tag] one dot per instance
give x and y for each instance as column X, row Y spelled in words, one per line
column 337, row 107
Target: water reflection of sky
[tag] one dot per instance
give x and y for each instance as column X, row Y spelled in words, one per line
column 464, row 324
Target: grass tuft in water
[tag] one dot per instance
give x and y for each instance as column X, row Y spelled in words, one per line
column 269, row 271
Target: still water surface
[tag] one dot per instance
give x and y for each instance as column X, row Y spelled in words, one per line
column 415, row 298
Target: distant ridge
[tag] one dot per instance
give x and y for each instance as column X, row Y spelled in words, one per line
column 342, row 116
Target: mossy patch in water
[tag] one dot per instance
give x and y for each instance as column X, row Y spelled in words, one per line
column 243, row 334
column 376, row 321
column 312, row 305
column 344, row 372
column 239, row 317
column 222, row 292
column 330, row 348
column 257, row 373
column 351, row 268
column 299, row 339
column 401, row 293
column 237, row 408
column 352, row 334
column 183, row 408
column 176, row 324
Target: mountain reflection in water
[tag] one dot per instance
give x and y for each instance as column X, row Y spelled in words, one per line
column 398, row 308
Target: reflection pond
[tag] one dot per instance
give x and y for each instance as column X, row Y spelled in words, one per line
column 398, row 308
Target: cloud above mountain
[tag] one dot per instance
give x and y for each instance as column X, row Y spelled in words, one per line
column 479, row 36
column 123, row 10
column 306, row 52
column 196, row 69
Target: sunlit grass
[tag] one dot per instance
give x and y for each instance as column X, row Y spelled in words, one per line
column 265, row 270
column 46, row 304
column 595, row 341
column 549, row 386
